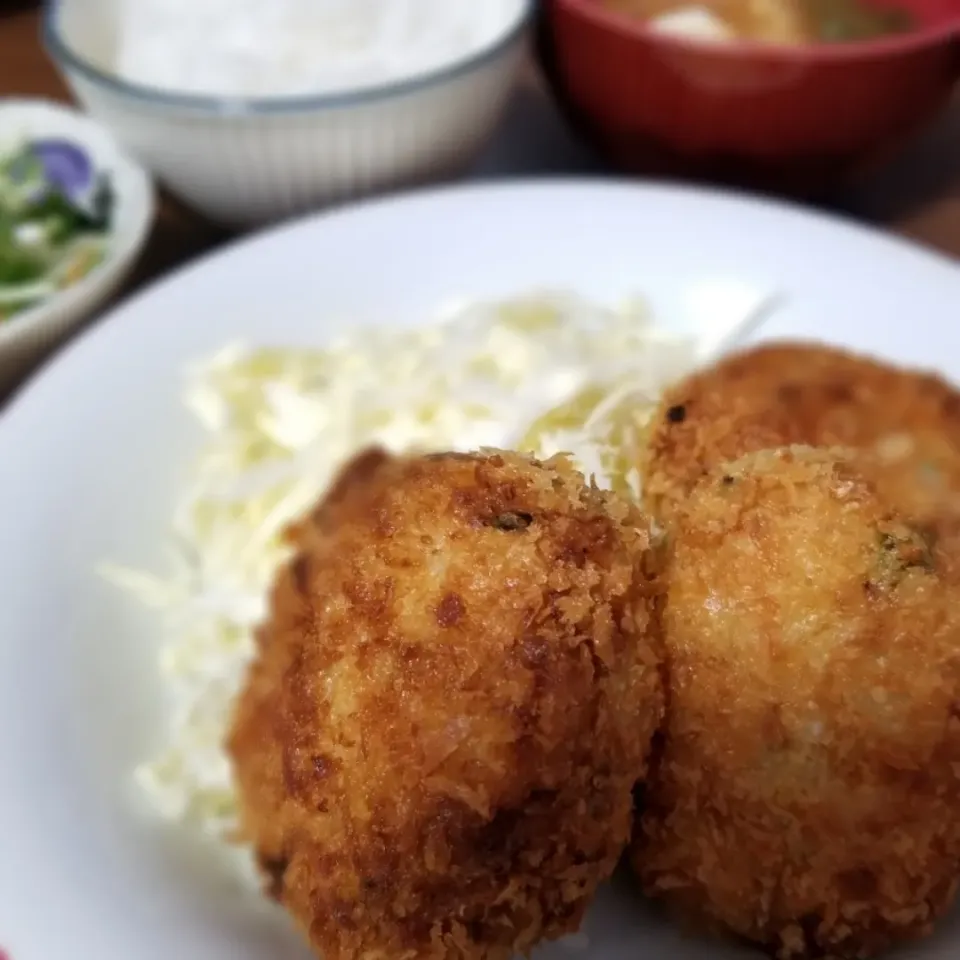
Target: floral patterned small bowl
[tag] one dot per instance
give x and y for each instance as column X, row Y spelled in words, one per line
column 81, row 175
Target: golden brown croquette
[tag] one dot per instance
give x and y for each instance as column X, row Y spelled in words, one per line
column 807, row 789
column 808, row 393
column 454, row 697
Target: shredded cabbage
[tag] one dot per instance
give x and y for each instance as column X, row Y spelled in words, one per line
column 545, row 373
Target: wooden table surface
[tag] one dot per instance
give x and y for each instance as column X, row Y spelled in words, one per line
column 918, row 195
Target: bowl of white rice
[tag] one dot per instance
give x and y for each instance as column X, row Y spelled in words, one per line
column 252, row 112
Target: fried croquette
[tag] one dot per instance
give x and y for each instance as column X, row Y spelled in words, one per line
column 806, row 794
column 806, row 393
column 454, row 697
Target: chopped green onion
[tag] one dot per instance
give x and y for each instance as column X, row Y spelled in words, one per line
column 55, row 217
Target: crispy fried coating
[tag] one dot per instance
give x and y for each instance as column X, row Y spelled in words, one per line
column 454, row 698
column 808, row 393
column 806, row 794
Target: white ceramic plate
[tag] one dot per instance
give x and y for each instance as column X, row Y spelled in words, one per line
column 91, row 453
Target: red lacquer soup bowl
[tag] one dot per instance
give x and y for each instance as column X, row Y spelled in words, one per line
column 792, row 118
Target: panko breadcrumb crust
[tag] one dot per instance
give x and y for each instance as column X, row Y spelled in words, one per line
column 806, row 795
column 453, row 699
column 787, row 393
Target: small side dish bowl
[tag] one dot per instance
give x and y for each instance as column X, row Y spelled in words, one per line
column 796, row 119
column 75, row 158
column 244, row 162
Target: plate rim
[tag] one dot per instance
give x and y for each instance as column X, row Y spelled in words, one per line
column 25, row 394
